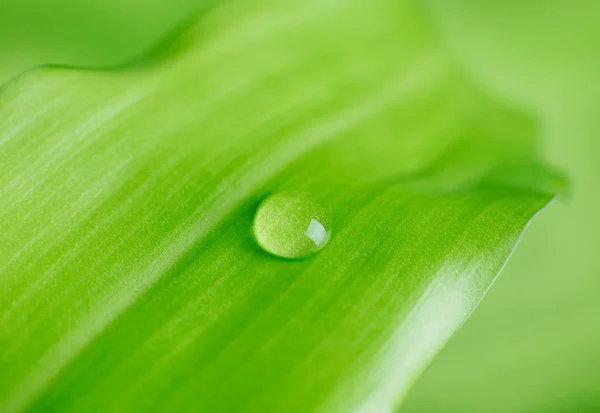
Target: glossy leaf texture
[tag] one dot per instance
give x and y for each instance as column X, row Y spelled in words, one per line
column 130, row 280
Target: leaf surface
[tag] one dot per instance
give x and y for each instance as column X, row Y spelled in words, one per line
column 129, row 277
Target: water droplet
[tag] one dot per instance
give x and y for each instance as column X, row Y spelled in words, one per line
column 292, row 224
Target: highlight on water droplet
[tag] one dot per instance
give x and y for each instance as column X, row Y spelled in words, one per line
column 292, row 224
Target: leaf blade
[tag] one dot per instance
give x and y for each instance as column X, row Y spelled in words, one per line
column 148, row 188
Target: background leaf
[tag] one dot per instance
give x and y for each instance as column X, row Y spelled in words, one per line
column 128, row 266
column 89, row 33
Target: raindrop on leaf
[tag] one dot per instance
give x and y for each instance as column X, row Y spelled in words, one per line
column 292, row 224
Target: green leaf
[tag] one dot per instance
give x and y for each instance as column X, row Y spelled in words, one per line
column 87, row 33
column 130, row 279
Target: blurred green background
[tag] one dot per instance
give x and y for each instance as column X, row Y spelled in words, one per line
column 84, row 33
column 534, row 343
